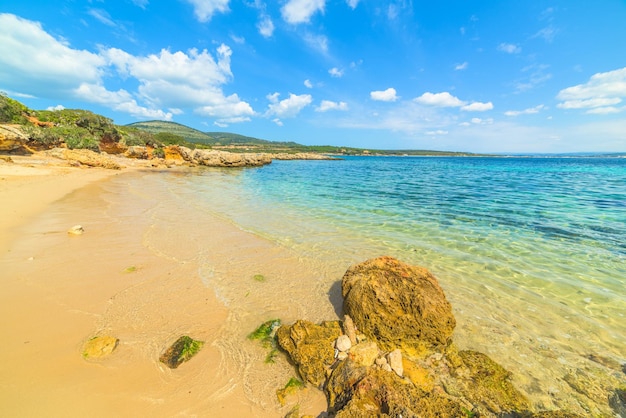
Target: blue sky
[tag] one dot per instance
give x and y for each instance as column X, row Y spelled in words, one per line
column 473, row 75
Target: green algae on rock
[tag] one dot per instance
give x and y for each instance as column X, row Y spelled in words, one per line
column 292, row 386
column 266, row 335
column 181, row 351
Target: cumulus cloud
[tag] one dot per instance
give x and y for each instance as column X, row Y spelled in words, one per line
column 598, row 95
column 443, row 99
column 509, row 48
column 56, row 108
column 308, row 84
column 388, row 95
column 529, row 111
column 33, row 62
column 327, row 105
column 477, row 107
column 288, row 107
column 479, row 121
column 335, row 72
column 205, row 9
column 300, row 11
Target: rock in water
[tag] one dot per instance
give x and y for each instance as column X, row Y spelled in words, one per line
column 99, row 347
column 311, row 347
column 398, row 305
column 182, row 350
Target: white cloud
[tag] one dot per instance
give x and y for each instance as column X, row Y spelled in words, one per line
column 599, row 94
column 479, row 121
column 529, row 111
column 388, row 95
column 55, row 108
column 327, row 105
column 437, row 132
column 509, row 48
column 238, row 39
column 141, row 3
column 266, row 27
column 33, row 62
column 352, row 3
column 547, row 33
column 102, row 16
column 443, row 99
column 335, row 72
column 288, row 107
column 277, row 121
column 205, row 9
column 308, row 84
column 460, row 67
column 300, row 11
column 477, row 107
column 317, row 42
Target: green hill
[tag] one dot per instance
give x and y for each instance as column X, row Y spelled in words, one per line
column 189, row 134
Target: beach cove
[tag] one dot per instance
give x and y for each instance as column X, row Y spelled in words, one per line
column 175, row 252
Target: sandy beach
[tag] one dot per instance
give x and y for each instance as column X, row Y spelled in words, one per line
column 122, row 278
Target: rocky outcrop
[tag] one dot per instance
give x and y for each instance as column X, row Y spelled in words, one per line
column 302, row 156
column 393, row 356
column 398, row 306
column 12, row 138
column 84, row 157
column 213, row 158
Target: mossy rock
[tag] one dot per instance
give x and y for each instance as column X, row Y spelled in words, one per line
column 292, row 386
column 266, row 335
column 310, row 347
column 181, row 351
column 488, row 385
column 100, row 346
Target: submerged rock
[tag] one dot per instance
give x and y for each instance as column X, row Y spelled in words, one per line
column 98, row 347
column 311, row 347
column 398, row 305
column 182, row 350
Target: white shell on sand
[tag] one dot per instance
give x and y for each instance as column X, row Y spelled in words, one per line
column 343, row 343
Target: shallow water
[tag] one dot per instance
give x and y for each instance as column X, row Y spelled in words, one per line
column 530, row 251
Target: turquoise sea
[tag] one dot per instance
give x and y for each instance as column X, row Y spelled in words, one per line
column 530, row 251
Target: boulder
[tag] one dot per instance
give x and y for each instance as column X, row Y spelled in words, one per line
column 398, row 305
column 12, row 138
column 311, row 347
column 84, row 157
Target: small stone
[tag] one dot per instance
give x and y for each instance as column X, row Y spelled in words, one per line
column 349, row 329
column 386, row 367
column 342, row 356
column 365, row 353
column 98, row 347
column 395, row 361
column 381, row 361
column 343, row 343
column 76, row 230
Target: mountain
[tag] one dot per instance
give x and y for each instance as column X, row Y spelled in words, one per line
column 189, row 134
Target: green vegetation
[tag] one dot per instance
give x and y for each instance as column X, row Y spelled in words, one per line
column 190, row 348
column 259, row 277
column 266, row 334
column 12, row 111
column 292, row 386
column 130, row 269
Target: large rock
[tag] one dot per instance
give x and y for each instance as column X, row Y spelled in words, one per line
column 398, row 305
column 84, row 157
column 213, row 158
column 12, row 138
column 311, row 347
column 100, row 346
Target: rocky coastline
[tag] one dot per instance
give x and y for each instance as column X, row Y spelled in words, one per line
column 13, row 141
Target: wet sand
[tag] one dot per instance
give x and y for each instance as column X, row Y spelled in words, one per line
column 135, row 274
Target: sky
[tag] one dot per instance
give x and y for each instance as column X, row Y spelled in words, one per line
column 465, row 75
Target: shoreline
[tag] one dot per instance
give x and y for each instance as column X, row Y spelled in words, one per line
column 124, row 278
column 191, row 274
